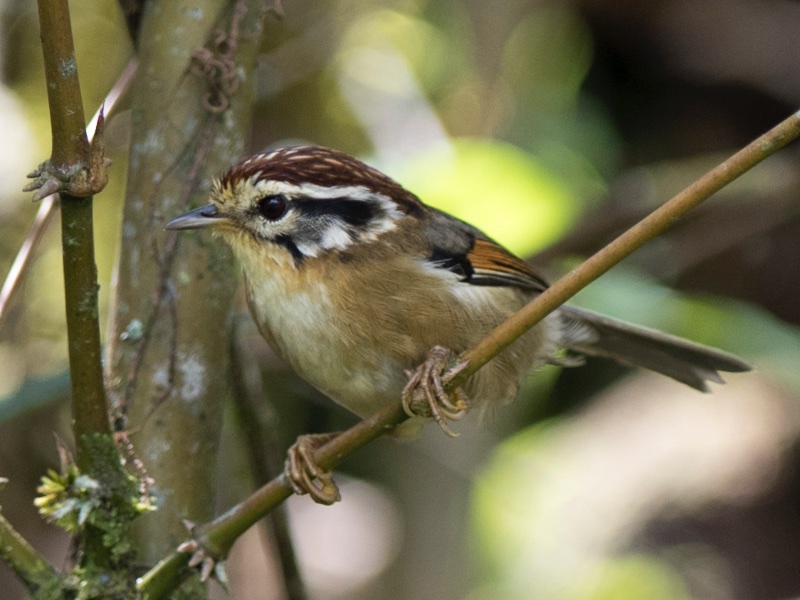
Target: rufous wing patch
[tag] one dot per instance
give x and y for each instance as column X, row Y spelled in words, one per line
column 494, row 265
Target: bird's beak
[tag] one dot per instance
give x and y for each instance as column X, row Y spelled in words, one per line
column 205, row 216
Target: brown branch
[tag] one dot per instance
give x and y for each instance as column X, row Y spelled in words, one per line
column 218, row 536
column 24, row 258
column 645, row 230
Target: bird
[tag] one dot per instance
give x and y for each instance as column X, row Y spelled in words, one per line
column 370, row 295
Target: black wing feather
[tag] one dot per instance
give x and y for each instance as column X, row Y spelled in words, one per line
column 477, row 259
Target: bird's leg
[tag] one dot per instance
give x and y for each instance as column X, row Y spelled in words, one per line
column 424, row 394
column 301, row 469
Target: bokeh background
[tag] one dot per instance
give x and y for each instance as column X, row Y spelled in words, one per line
column 552, row 125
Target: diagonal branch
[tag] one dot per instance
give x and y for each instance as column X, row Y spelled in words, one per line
column 24, row 258
column 642, row 232
column 29, row 566
column 218, row 536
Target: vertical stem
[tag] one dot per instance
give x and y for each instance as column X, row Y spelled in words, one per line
column 70, row 146
column 83, row 331
column 71, row 155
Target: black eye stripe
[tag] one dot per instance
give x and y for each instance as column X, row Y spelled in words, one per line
column 288, row 243
column 356, row 213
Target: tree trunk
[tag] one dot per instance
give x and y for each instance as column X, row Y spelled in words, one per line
column 168, row 346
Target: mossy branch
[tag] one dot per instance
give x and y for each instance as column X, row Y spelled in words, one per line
column 218, row 536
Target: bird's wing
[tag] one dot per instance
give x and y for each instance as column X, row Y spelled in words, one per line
column 477, row 259
column 494, row 265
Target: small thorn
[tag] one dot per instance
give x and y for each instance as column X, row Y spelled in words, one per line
column 36, row 172
column 221, row 575
column 197, row 558
column 188, row 547
column 189, row 525
column 51, row 186
column 206, row 569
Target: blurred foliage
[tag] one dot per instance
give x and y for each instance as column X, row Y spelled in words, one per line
column 525, row 556
column 540, row 121
column 514, row 197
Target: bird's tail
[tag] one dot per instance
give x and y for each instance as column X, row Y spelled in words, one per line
column 592, row 334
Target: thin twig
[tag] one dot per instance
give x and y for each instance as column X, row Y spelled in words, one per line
column 218, row 536
column 619, row 249
column 24, row 258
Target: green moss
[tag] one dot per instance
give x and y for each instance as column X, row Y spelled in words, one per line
column 98, row 508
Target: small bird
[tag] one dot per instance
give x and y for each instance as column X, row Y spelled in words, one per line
column 355, row 282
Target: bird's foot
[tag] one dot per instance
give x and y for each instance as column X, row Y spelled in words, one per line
column 425, row 394
column 301, row 469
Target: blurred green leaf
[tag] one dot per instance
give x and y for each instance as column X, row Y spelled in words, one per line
column 547, row 58
column 421, row 44
column 496, row 187
column 632, row 578
column 526, row 552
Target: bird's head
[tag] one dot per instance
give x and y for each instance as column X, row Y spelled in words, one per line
column 303, row 202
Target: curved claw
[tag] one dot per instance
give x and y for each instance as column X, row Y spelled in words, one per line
column 301, row 470
column 425, row 396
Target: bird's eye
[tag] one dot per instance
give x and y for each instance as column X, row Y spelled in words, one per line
column 273, row 207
